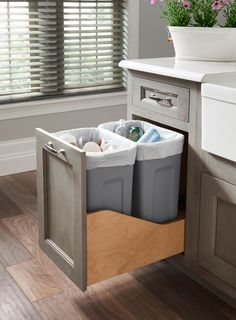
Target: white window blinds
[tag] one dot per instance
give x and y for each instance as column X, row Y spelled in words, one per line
column 51, row 48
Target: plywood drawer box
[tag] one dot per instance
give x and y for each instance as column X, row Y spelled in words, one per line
column 96, row 246
column 163, row 98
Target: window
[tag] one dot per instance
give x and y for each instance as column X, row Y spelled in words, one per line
column 52, row 48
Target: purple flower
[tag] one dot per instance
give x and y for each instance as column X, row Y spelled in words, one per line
column 153, row 1
column 187, row 4
column 217, row 5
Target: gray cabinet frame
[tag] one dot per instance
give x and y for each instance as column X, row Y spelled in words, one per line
column 199, row 162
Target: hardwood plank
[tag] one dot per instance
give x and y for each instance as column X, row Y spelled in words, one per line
column 18, row 194
column 138, row 299
column 94, row 304
column 119, row 243
column 28, row 180
column 182, row 294
column 34, row 280
column 13, row 304
column 60, row 307
column 99, row 304
column 11, row 250
column 25, row 229
column 8, row 208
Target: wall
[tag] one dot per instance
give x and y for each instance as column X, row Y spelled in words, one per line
column 153, row 33
column 25, row 126
column 18, row 123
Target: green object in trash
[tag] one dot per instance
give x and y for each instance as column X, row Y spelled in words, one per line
column 135, row 133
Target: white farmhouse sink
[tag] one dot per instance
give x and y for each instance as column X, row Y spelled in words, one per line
column 219, row 117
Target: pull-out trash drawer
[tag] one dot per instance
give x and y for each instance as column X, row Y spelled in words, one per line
column 91, row 247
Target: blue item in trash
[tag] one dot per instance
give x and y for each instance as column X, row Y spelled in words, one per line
column 151, row 135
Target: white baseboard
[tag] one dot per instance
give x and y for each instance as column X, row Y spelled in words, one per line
column 17, row 156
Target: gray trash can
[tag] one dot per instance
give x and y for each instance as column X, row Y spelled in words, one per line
column 109, row 174
column 156, row 173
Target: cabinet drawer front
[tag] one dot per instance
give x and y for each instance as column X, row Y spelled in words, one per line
column 163, row 98
column 217, row 243
column 62, row 215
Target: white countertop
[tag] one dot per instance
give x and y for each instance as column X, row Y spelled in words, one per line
column 198, row 71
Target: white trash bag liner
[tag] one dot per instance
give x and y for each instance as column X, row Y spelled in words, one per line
column 170, row 144
column 122, row 153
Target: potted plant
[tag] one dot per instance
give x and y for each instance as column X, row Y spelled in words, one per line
column 195, row 29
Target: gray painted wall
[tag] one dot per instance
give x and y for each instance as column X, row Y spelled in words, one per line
column 25, row 127
column 153, row 34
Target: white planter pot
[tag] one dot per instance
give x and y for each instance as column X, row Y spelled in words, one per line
column 207, row 44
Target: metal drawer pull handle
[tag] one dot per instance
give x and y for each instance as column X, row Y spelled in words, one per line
column 165, row 102
column 49, row 147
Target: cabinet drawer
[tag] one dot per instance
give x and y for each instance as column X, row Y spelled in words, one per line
column 96, row 246
column 163, row 98
column 217, row 243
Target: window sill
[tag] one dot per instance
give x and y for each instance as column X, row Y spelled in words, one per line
column 59, row 105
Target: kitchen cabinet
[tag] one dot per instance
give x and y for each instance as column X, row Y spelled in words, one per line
column 167, row 93
column 217, row 237
column 169, row 96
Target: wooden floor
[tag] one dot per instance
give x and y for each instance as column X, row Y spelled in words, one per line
column 32, row 287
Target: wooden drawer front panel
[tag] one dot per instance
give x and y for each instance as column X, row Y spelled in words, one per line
column 61, row 205
column 217, row 250
column 163, row 98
